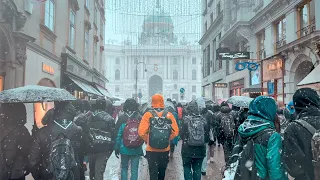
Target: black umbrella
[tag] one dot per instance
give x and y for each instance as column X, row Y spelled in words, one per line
column 34, row 94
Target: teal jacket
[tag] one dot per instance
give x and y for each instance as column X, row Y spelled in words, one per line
column 262, row 113
column 123, row 149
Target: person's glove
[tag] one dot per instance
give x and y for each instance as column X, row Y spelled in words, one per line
column 117, row 153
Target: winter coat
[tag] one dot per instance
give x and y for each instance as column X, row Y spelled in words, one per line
column 193, row 151
column 224, row 111
column 297, row 148
column 119, row 141
column 15, row 146
column 157, row 103
column 176, row 139
column 40, row 150
column 268, row 145
column 103, row 121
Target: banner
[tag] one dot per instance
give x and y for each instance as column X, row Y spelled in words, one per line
column 224, row 54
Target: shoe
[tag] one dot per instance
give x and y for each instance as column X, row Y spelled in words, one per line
column 204, row 173
column 171, row 155
column 211, row 160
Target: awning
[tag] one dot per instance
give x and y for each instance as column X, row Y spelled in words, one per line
column 312, row 77
column 86, row 87
column 104, row 92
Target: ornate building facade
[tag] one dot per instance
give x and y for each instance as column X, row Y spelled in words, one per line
column 157, row 63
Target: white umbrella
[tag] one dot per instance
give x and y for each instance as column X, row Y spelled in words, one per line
column 240, row 101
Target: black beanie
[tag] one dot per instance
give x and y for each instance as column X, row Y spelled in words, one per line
column 305, row 98
column 130, row 105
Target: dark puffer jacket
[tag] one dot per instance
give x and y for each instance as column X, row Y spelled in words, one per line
column 40, row 150
column 15, row 139
column 297, row 139
column 193, row 151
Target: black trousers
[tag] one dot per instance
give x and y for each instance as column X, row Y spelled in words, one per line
column 158, row 162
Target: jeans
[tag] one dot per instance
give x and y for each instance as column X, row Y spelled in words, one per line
column 192, row 168
column 97, row 165
column 205, row 159
column 125, row 165
column 158, row 162
column 227, row 148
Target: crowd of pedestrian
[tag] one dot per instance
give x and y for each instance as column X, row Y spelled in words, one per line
column 261, row 141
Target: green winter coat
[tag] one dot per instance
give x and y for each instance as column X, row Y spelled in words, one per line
column 262, row 113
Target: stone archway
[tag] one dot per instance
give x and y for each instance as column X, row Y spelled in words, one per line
column 155, row 85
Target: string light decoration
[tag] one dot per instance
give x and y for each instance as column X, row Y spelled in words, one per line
column 180, row 18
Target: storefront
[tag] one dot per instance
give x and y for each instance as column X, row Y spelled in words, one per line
column 218, row 89
column 207, row 91
column 272, row 78
column 255, row 89
column 77, row 77
column 42, row 68
column 236, row 87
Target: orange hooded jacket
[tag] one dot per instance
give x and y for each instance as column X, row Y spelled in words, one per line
column 157, row 102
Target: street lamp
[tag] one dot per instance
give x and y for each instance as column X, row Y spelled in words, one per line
column 145, row 70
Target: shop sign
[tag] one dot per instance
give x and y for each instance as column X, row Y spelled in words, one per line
column 237, row 83
column 272, row 69
column 47, row 69
column 220, row 85
column 225, row 54
column 255, row 76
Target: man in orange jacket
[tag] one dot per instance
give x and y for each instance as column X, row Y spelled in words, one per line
column 157, row 158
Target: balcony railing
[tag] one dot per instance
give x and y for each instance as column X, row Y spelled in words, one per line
column 307, row 30
column 281, row 43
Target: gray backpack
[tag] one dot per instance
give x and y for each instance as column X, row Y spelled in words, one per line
column 227, row 125
column 196, row 132
column 315, row 146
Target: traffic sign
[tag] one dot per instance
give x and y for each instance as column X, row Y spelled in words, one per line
column 182, row 90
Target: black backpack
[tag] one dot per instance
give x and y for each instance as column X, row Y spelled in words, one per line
column 227, row 125
column 5, row 171
column 99, row 139
column 160, row 130
column 62, row 159
column 196, row 130
column 247, row 169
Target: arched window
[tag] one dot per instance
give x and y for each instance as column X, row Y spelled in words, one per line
column 194, row 74
column 135, row 73
column 175, row 75
column 117, row 74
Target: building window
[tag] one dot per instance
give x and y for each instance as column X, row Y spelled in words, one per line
column 49, row 14
column 117, row 74
column 218, row 9
column 220, row 60
column 208, row 60
column 194, row 89
column 95, row 54
column 175, row 61
column 117, row 60
column 86, row 45
column 175, row 86
column 194, row 74
column 102, row 28
column 95, row 14
column 211, row 17
column 261, row 40
column 194, row 60
column 205, row 26
column 117, row 88
column 87, row 4
column 175, row 74
column 306, row 18
column 281, row 33
column 135, row 74
column 72, row 17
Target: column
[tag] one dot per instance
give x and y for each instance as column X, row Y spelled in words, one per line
column 317, row 13
column 269, row 40
column 291, row 25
